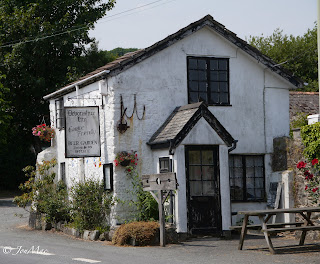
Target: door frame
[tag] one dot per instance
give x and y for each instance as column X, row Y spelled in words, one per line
column 203, row 147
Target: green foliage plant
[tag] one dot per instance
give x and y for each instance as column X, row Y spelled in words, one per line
column 311, row 173
column 91, row 205
column 143, row 203
column 297, row 54
column 310, row 135
column 300, row 120
column 143, row 233
column 44, row 194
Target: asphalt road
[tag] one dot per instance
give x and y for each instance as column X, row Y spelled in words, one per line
column 17, row 242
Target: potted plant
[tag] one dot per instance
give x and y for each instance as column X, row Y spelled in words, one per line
column 44, row 132
column 125, row 159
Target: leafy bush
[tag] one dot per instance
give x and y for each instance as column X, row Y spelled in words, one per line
column 90, row 205
column 146, row 207
column 310, row 135
column 142, row 232
column 43, row 193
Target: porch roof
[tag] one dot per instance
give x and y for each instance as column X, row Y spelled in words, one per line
column 180, row 123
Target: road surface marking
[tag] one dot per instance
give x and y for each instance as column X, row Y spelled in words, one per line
column 87, row 260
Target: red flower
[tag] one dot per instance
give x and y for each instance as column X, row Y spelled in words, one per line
column 306, row 187
column 310, row 176
column 129, row 170
column 301, row 165
column 314, row 162
column 315, row 189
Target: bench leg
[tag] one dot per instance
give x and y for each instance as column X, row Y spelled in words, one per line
column 304, row 233
column 266, row 235
column 243, row 231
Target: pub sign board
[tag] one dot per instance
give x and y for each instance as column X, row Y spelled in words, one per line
column 82, row 132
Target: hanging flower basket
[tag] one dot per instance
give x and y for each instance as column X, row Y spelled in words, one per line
column 44, row 132
column 126, row 159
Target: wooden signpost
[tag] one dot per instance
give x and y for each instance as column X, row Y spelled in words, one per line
column 157, row 184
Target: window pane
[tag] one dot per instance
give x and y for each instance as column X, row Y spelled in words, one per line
column 208, row 173
column 224, row 98
column 237, row 161
column 250, row 161
column 193, row 86
column 250, row 194
column 202, row 76
column 214, row 64
column 259, row 193
column 214, row 98
column 195, row 173
column 258, row 161
column 250, row 172
column 238, row 194
column 207, row 157
column 259, row 183
column 192, row 63
column 223, row 87
column 203, row 97
column 214, row 87
column 223, row 65
column 195, row 188
column 194, row 157
column 202, row 64
column 193, row 97
column 259, row 172
column 193, row 75
column 202, row 86
column 214, row 76
column 208, row 188
column 223, row 76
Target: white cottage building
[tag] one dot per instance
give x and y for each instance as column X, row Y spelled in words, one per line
column 201, row 103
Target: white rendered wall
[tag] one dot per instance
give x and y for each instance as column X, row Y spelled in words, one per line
column 258, row 112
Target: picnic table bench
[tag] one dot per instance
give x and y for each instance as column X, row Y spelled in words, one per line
column 267, row 229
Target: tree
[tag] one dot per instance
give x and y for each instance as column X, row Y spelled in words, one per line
column 298, row 54
column 93, row 58
column 39, row 41
column 5, row 115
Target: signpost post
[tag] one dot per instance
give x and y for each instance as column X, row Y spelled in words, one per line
column 157, row 184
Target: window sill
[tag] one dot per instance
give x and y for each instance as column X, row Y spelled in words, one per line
column 219, row 105
column 247, row 201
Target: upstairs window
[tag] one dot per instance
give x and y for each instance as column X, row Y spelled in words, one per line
column 208, row 80
column 247, row 180
column 60, row 113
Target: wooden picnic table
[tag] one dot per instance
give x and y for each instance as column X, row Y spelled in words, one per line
column 267, row 229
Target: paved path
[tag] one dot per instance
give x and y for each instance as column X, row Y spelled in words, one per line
column 53, row 248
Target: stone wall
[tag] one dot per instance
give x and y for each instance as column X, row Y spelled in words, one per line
column 295, row 154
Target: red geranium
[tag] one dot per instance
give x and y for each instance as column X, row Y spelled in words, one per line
column 314, row 162
column 301, row 165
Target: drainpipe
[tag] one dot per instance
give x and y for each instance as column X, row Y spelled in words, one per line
column 234, row 145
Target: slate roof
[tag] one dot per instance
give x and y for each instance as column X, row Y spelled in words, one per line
column 132, row 58
column 304, row 102
column 180, row 123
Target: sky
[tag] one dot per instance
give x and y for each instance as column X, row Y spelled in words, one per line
column 152, row 20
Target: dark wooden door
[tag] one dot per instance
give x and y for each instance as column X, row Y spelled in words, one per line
column 203, row 192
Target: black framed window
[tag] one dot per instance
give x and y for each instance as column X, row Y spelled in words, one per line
column 108, row 176
column 63, row 172
column 60, row 113
column 165, row 164
column 208, row 80
column 247, row 179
